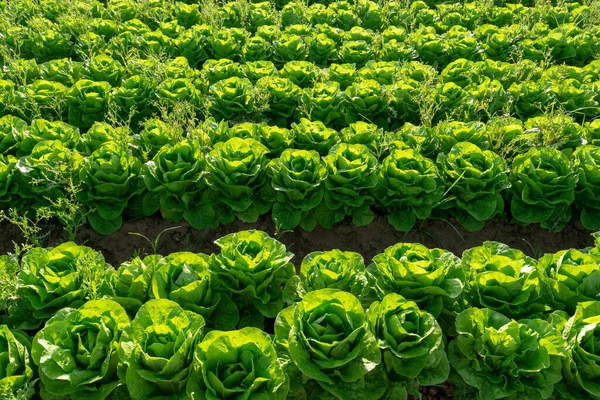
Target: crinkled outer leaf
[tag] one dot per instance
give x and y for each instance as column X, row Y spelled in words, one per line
column 504, row 280
column 581, row 364
column 131, row 282
column 351, row 178
column 475, row 179
column 587, row 194
column 432, row 278
column 238, row 364
column 15, row 363
column 501, row 357
column 237, row 177
column 156, row 350
column 297, row 177
column 76, row 351
column 411, row 340
column 572, row 277
column 110, row 177
column 335, row 269
column 543, row 187
column 328, row 340
column 253, row 267
column 185, row 279
column 230, row 97
column 52, row 278
column 409, row 183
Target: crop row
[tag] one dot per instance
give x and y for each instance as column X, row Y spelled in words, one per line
column 386, row 93
column 339, row 31
column 496, row 323
column 308, row 174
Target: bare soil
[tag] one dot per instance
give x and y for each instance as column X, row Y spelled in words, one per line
column 368, row 240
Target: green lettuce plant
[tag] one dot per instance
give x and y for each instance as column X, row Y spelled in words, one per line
column 15, row 368
column 102, row 68
column 289, row 47
column 314, row 135
column 174, row 179
column 430, row 277
column 476, row 180
column 41, row 129
column 185, row 279
column 282, row 96
column 231, row 97
column 323, row 102
column 297, row 177
column 450, row 133
column 334, row 269
column 77, row 351
column 326, row 337
column 43, row 174
column 572, row 277
column 344, row 74
column 134, row 97
column 255, row 49
column 580, row 366
column 88, row 102
column 110, row 176
column 130, row 283
column 253, row 267
column 361, row 132
column 301, row 73
column 351, row 178
column 12, row 132
column 237, row 178
column 412, row 344
column 156, row 350
column 543, row 188
column 409, row 187
column 587, row 193
column 254, row 70
column 237, row 364
column 503, row 358
column 504, row 280
column 366, row 100
column 8, row 186
column 64, row 276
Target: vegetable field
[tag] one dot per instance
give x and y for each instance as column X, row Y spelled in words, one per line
column 160, row 160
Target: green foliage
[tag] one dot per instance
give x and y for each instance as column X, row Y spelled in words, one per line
column 297, row 177
column 504, row 280
column 237, row 363
column 54, row 278
column 475, row 180
column 327, row 338
column 334, row 269
column 185, row 279
column 411, row 341
column 500, row 357
column 156, row 350
column 409, row 187
column 15, row 370
column 352, row 175
column 431, row 278
column 253, row 268
column 237, row 177
column 94, row 330
column 543, row 187
column 110, row 176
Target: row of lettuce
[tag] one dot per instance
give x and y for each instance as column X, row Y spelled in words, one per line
column 342, row 30
column 386, row 93
column 495, row 323
column 306, row 175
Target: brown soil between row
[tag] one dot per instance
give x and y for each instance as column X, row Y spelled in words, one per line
column 368, row 240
